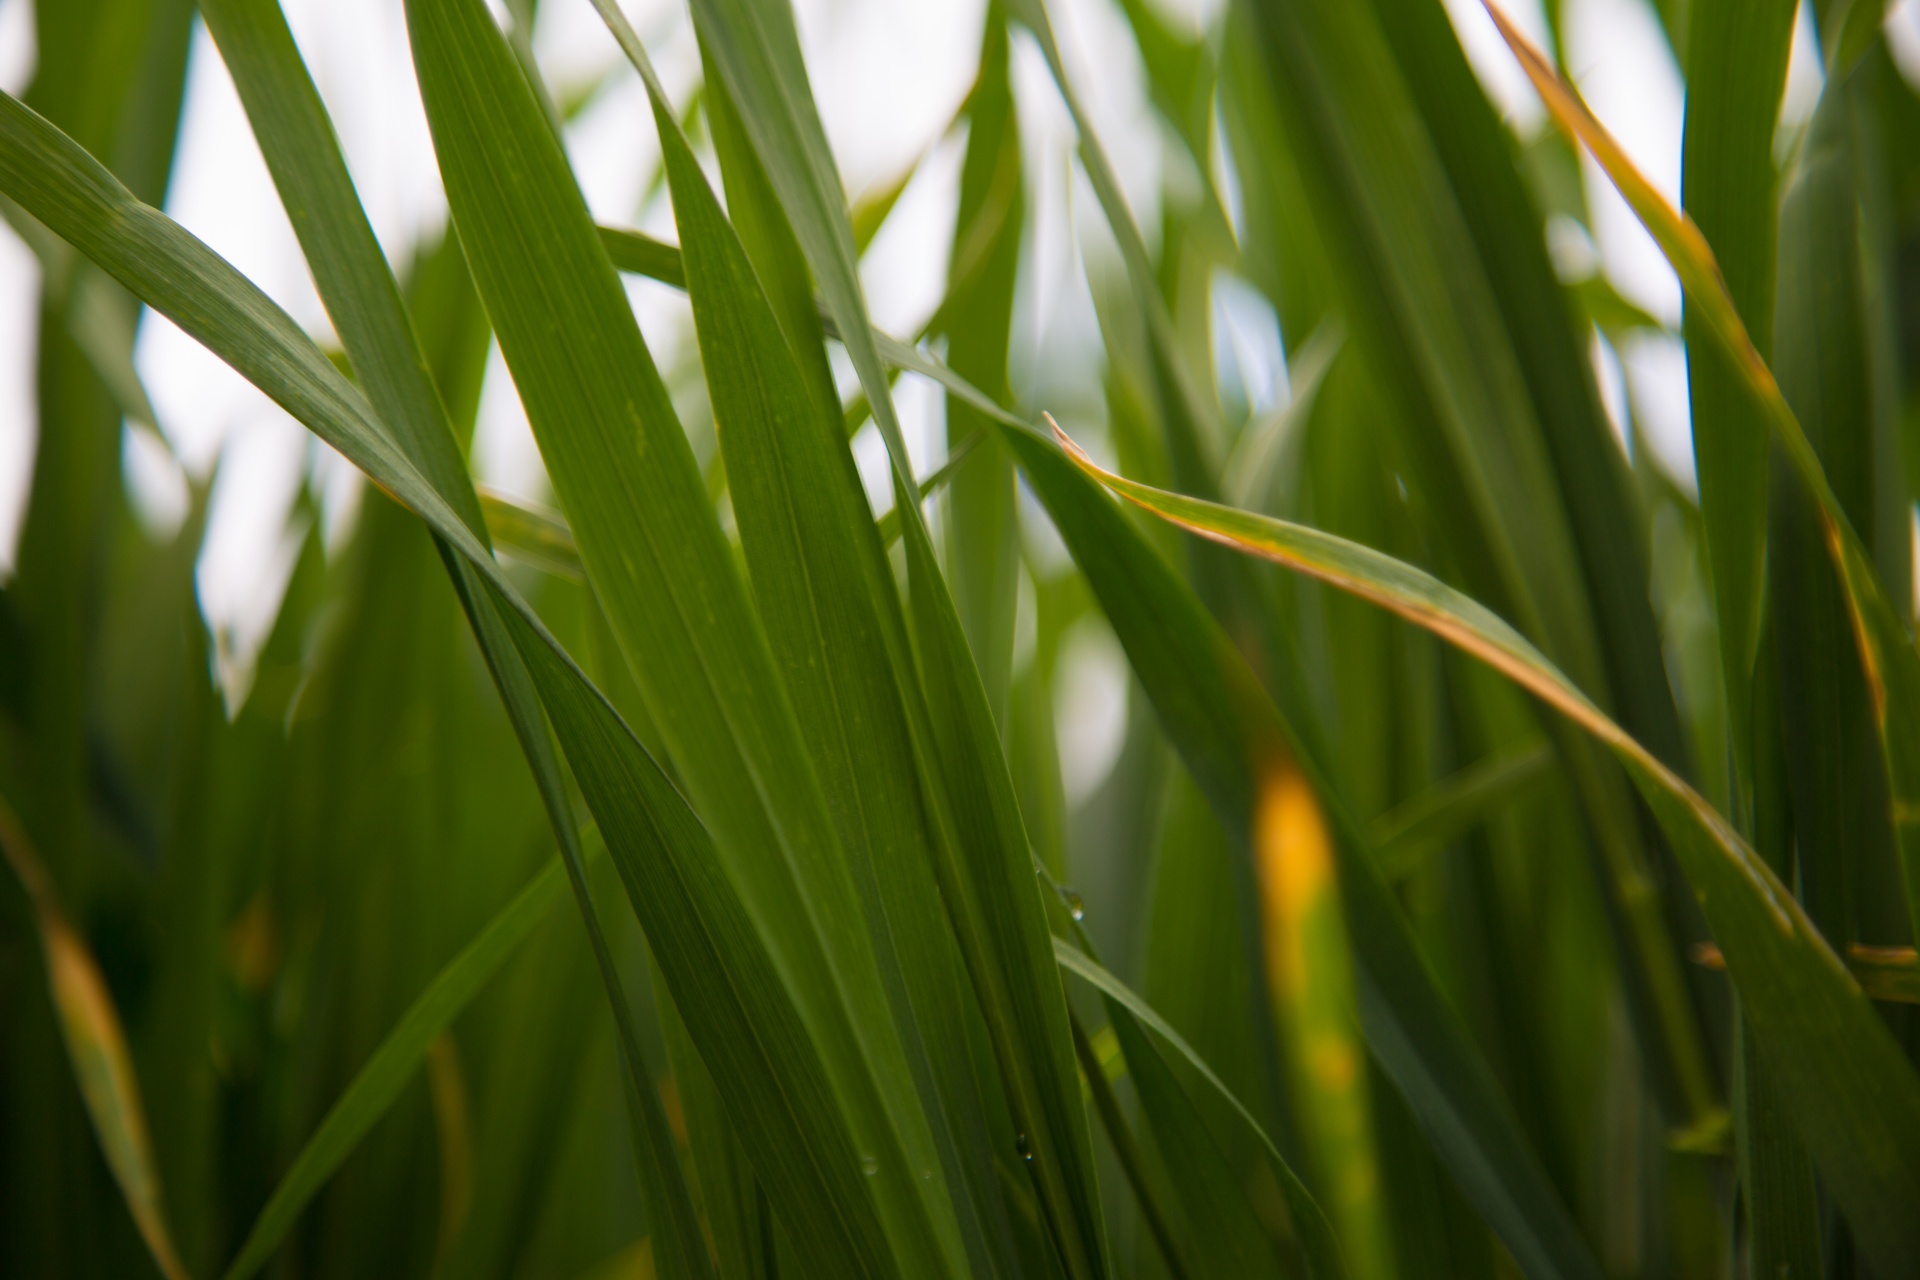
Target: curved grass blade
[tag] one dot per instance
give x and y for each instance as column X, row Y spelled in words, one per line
column 1854, row 1095
column 1394, row 196
column 1148, row 1191
column 1425, row 1049
column 1313, row 1231
column 1224, row 726
column 1887, row 653
column 102, row 1066
column 1220, row 719
column 392, row 1065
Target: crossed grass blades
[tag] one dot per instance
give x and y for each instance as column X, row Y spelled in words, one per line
column 1521, row 877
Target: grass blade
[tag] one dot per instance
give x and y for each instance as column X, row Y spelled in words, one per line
column 1315, row 1233
column 102, row 1067
column 742, row 1015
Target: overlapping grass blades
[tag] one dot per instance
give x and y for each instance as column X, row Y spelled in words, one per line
column 1799, row 998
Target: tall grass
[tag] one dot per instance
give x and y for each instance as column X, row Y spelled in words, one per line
column 1511, row 864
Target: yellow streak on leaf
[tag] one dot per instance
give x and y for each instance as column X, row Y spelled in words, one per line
column 1296, row 871
column 102, row 1066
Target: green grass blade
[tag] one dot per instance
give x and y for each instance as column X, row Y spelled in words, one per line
column 1736, row 74
column 1887, row 654
column 1814, row 1024
column 824, row 588
column 97, row 1045
column 1591, row 479
column 177, row 275
column 1315, row 1234
column 756, row 49
column 982, row 539
column 660, row 565
column 538, row 536
column 642, row 255
column 1222, row 1235
column 392, row 1065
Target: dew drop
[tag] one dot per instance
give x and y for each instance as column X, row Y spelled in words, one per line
column 1024, row 1147
column 926, row 1175
column 1075, row 906
column 869, row 1165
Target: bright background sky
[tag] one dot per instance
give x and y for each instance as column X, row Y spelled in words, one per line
column 888, row 76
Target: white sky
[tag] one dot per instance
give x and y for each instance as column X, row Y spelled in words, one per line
column 888, row 77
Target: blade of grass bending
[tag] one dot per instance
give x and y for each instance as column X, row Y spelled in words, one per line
column 102, row 1067
column 392, row 1065
column 1854, row 1095
column 1886, row 650
column 363, row 299
column 1314, row 1233
column 1424, row 1046
column 755, row 46
column 1219, row 1231
column 820, row 577
column 661, row 567
column 1411, row 278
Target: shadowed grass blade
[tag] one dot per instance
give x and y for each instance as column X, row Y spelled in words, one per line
column 1315, row 1234
column 102, row 1067
column 392, row 1065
